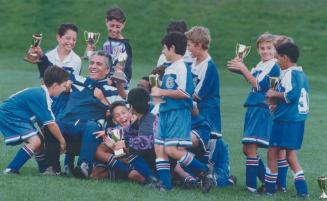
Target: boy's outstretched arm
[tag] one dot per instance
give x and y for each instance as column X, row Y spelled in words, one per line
column 177, row 94
column 54, row 129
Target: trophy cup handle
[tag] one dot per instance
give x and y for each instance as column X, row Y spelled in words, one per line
column 86, row 33
column 236, row 49
column 248, row 49
column 97, row 37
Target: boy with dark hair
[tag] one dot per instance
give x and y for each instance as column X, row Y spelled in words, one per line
column 175, row 115
column 32, row 104
column 289, row 115
column 137, row 138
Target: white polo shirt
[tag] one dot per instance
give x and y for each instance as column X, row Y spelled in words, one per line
column 71, row 61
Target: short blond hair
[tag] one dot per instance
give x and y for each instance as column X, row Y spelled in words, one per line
column 266, row 37
column 282, row 39
column 199, row 35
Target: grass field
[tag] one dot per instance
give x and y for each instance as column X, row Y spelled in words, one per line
column 230, row 21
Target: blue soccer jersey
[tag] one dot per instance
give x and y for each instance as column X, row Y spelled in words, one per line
column 262, row 72
column 18, row 112
column 294, row 85
column 177, row 77
column 206, row 80
column 82, row 105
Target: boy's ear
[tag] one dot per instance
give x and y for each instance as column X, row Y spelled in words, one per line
column 57, row 37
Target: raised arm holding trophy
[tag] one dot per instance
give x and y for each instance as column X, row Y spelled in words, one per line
column 241, row 52
column 91, row 39
column 32, row 56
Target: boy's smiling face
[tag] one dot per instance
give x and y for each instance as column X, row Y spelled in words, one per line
column 115, row 28
column 122, row 116
column 266, row 51
column 68, row 40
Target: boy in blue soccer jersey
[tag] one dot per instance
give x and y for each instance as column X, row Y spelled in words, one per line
column 19, row 111
column 175, row 115
column 206, row 93
column 289, row 115
column 257, row 123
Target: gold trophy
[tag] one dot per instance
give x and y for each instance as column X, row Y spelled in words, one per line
column 322, row 186
column 242, row 50
column 273, row 81
column 31, row 56
column 154, row 82
column 116, row 136
column 91, row 38
column 119, row 75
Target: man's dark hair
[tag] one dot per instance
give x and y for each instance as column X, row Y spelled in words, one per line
column 177, row 39
column 63, row 28
column 290, row 50
column 139, row 99
column 55, row 74
column 177, row 25
column 116, row 13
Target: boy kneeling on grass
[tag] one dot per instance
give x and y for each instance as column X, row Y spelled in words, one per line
column 19, row 112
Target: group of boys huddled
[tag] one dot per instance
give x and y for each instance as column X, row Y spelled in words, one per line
column 158, row 135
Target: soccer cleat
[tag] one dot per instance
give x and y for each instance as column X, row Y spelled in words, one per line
column 151, row 182
column 48, row 172
column 82, row 171
column 232, row 180
column 207, row 182
column 10, row 171
column 190, row 184
column 281, row 189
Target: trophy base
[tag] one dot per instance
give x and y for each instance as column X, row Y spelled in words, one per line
column 119, row 77
column 119, row 153
column 34, row 59
column 323, row 196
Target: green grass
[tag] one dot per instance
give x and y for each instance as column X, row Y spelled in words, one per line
column 230, row 21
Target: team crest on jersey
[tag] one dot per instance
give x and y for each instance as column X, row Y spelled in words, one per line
column 170, row 82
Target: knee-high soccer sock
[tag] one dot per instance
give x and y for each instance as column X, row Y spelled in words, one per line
column 188, row 161
column 41, row 160
column 252, row 165
column 270, row 182
column 300, row 184
column 261, row 170
column 23, row 155
column 282, row 174
column 163, row 170
column 118, row 166
column 140, row 165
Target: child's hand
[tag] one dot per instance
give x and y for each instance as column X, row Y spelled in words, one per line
column 99, row 95
column 271, row 93
column 119, row 67
column 120, row 145
column 236, row 65
column 109, row 142
column 156, row 92
column 99, row 134
column 90, row 47
column 68, row 86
